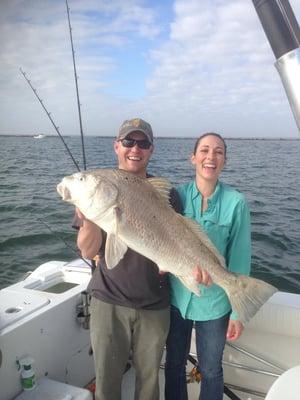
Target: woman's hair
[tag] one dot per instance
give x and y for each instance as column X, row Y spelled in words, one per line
column 209, row 134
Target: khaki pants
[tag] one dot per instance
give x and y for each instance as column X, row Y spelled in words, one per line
column 115, row 332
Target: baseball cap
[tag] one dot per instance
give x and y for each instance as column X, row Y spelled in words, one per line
column 134, row 125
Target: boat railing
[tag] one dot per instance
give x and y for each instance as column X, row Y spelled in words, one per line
column 278, row 371
column 254, row 357
column 252, row 369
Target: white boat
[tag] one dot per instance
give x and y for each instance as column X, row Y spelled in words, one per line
column 45, row 317
column 39, row 136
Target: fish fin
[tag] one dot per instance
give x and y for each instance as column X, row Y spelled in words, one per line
column 247, row 295
column 190, row 283
column 199, row 232
column 115, row 249
column 162, row 186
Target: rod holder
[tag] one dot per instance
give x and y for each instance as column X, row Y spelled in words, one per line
column 82, row 310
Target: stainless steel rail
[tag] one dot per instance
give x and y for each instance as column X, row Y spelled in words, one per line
column 246, row 390
column 257, row 358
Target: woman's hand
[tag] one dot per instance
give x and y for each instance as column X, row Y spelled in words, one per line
column 202, row 276
column 235, row 329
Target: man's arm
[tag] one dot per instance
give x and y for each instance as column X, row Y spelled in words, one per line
column 89, row 237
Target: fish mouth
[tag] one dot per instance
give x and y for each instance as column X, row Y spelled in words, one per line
column 63, row 191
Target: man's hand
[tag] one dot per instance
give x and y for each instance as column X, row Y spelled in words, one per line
column 89, row 238
column 79, row 214
column 235, row 329
column 202, row 276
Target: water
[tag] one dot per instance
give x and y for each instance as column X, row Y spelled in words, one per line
column 266, row 171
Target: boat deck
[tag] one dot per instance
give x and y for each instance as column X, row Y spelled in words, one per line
column 193, row 388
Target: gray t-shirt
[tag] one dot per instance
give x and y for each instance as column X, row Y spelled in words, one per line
column 135, row 282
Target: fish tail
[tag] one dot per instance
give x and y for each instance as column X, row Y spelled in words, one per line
column 247, row 295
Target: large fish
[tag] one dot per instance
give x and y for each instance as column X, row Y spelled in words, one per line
column 135, row 213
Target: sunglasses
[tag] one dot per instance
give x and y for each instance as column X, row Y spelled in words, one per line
column 142, row 144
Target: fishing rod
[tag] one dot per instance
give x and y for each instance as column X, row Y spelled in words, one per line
column 93, row 264
column 49, row 116
column 76, row 85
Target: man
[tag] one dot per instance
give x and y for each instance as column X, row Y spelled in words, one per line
column 130, row 303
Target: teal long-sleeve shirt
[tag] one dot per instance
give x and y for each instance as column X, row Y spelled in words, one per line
column 226, row 221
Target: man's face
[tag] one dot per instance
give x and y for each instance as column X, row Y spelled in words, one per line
column 133, row 159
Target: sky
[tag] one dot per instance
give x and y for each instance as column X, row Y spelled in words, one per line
column 185, row 66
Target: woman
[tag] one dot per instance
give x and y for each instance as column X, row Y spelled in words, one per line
column 224, row 215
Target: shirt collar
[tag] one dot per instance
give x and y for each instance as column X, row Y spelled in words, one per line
column 213, row 198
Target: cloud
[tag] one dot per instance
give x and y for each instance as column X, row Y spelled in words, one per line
column 34, row 35
column 186, row 66
column 216, row 63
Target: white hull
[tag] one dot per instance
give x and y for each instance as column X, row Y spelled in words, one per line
column 43, row 325
column 45, row 328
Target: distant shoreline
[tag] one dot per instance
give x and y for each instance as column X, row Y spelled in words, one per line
column 159, row 137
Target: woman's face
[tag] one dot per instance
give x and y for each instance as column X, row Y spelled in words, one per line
column 209, row 158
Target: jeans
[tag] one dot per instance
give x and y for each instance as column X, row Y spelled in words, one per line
column 210, row 343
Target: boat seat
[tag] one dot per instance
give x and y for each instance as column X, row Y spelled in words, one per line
column 287, row 386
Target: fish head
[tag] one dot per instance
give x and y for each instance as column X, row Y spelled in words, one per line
column 92, row 193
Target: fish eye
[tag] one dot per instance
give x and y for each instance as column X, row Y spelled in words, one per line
column 80, row 177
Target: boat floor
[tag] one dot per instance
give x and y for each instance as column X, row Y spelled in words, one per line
column 193, row 388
